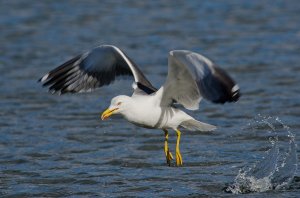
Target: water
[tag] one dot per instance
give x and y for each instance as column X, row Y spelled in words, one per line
column 57, row 146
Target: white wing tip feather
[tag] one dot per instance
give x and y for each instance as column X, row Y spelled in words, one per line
column 44, row 78
column 235, row 88
column 134, row 85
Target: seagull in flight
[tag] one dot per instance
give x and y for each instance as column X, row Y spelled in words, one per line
column 190, row 78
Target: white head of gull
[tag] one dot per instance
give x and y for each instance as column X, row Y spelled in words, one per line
column 190, row 78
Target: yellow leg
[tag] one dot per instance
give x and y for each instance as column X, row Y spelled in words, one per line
column 178, row 155
column 168, row 154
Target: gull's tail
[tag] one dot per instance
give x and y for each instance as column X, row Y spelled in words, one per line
column 195, row 125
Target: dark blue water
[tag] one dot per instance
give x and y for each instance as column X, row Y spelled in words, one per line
column 57, row 146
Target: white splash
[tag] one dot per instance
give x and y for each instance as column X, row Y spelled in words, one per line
column 276, row 170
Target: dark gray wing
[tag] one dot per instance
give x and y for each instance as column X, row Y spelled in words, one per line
column 192, row 76
column 94, row 69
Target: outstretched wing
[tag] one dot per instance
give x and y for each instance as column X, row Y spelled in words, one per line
column 94, row 69
column 192, row 76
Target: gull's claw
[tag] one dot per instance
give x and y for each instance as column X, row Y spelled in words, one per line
column 178, row 158
column 168, row 154
column 169, row 157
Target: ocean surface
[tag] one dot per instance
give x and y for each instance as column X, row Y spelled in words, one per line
column 57, row 146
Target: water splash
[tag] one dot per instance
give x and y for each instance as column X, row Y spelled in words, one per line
column 277, row 169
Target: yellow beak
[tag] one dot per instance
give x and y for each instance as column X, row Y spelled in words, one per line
column 107, row 113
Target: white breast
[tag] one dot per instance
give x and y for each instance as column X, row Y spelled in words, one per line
column 145, row 111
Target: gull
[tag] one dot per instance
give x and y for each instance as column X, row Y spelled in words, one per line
column 190, row 78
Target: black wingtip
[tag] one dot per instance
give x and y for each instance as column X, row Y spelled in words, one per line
column 229, row 91
column 232, row 96
column 227, row 95
column 146, row 89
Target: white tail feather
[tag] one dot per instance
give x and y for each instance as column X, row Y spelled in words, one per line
column 195, row 125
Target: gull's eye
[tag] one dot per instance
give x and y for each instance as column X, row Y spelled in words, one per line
column 119, row 103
